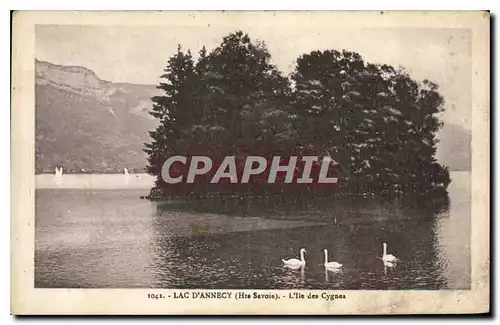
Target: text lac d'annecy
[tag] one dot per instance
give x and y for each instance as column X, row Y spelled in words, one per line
column 223, row 295
column 255, row 295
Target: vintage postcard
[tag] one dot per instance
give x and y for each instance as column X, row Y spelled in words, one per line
column 275, row 163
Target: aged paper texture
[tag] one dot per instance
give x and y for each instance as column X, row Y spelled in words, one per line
column 250, row 163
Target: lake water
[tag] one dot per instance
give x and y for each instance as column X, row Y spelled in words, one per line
column 110, row 238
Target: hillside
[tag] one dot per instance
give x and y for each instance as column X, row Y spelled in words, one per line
column 86, row 124
column 89, row 125
column 454, row 148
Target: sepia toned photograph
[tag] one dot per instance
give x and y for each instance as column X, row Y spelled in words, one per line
column 236, row 162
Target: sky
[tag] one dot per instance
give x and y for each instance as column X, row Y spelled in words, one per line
column 138, row 54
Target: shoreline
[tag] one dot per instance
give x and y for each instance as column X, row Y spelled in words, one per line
column 94, row 181
column 108, row 181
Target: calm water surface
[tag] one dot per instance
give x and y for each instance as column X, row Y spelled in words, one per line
column 113, row 239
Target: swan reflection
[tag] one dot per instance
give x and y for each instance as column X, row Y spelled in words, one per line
column 388, row 265
column 297, row 267
column 331, row 270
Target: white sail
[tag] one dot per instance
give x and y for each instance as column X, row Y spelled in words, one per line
column 58, row 175
column 127, row 175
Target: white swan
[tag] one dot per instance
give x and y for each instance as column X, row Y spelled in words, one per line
column 389, row 264
column 388, row 258
column 330, row 265
column 293, row 262
column 126, row 171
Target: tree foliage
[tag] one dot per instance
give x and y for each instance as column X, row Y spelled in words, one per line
column 377, row 121
column 381, row 122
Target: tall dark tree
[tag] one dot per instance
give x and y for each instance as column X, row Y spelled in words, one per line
column 245, row 99
column 174, row 110
column 247, row 92
column 330, row 98
column 233, row 101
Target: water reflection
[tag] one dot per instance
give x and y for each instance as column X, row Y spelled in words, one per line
column 333, row 271
column 110, row 239
column 388, row 265
column 253, row 259
column 294, row 274
column 91, row 239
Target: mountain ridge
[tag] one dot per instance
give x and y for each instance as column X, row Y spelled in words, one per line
column 89, row 125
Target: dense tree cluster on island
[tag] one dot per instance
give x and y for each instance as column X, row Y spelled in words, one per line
column 378, row 123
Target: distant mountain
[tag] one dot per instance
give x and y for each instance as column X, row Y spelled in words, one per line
column 86, row 124
column 454, row 148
